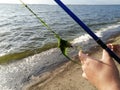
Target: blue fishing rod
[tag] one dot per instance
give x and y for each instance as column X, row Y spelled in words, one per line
column 98, row 40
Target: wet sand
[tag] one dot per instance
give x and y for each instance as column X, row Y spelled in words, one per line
column 68, row 76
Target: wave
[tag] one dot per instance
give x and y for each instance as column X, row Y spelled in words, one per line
column 23, row 54
column 4, row 24
column 86, row 42
column 14, row 75
column 102, row 23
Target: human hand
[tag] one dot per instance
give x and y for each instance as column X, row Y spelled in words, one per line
column 115, row 48
column 101, row 73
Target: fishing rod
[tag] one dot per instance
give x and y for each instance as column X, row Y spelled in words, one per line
column 87, row 29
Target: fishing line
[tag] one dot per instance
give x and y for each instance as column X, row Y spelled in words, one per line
column 62, row 44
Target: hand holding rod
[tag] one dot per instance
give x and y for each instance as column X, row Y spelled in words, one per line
column 98, row 40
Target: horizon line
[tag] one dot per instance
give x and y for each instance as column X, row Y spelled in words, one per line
column 56, row 4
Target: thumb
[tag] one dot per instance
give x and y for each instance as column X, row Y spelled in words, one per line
column 106, row 58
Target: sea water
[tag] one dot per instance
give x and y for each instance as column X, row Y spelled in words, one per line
column 20, row 31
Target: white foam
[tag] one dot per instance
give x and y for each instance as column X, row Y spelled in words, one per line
column 86, row 41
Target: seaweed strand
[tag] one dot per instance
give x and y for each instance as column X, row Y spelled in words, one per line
column 62, row 44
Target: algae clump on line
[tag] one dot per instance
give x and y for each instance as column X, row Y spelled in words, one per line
column 62, row 44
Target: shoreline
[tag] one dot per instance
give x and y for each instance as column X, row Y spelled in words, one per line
column 69, row 73
column 19, row 55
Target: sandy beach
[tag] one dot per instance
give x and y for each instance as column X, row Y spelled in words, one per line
column 68, row 76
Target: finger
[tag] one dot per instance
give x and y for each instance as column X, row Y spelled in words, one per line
column 83, row 68
column 84, row 75
column 115, row 48
column 110, row 46
column 82, row 57
column 106, row 58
